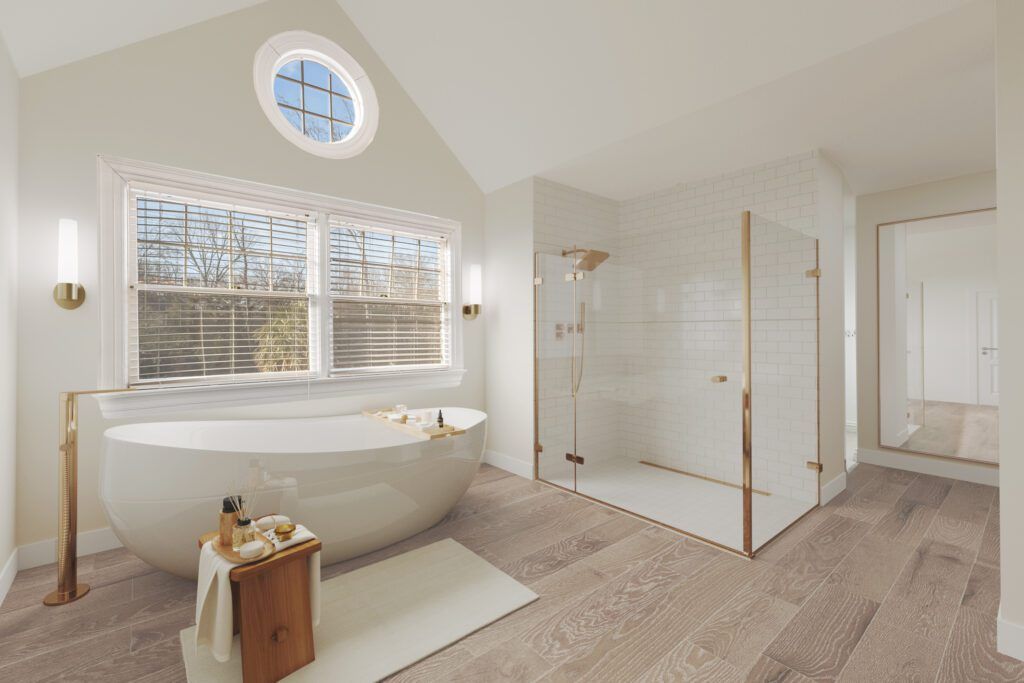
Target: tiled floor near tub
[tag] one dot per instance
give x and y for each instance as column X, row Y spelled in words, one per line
column 897, row 579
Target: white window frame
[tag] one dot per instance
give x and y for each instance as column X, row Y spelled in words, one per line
column 116, row 176
column 291, row 45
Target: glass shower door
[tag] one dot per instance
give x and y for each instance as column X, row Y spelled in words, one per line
column 784, row 381
column 597, row 387
column 554, row 340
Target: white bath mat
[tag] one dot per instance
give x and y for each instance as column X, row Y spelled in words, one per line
column 381, row 618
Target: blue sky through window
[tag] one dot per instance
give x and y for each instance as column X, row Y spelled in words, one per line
column 314, row 100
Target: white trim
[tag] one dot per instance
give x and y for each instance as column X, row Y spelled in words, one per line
column 45, row 552
column 150, row 402
column 977, row 473
column 1009, row 637
column 114, row 176
column 833, row 488
column 291, row 45
column 7, row 575
column 516, row 466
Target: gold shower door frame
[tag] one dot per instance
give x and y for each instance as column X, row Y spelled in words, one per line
column 747, row 451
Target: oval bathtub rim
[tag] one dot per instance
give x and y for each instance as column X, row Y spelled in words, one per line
column 122, row 433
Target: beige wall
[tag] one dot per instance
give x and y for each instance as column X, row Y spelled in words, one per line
column 832, row 210
column 1010, row 167
column 186, row 99
column 508, row 312
column 8, row 300
column 976, row 191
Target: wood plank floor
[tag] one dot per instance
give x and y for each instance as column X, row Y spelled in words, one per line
column 894, row 580
column 961, row 430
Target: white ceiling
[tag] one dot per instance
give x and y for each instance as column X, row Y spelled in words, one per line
column 910, row 108
column 43, row 34
column 622, row 98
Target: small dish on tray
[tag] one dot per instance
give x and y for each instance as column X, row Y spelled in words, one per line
column 233, row 557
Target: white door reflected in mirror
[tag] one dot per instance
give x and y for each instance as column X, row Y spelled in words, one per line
column 938, row 341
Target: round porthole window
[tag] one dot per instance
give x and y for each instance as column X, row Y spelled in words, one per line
column 315, row 94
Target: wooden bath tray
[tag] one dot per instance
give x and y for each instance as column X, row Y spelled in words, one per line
column 425, row 434
column 233, row 557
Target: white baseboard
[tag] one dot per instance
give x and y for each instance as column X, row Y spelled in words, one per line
column 509, row 464
column 7, row 574
column 1009, row 637
column 833, row 488
column 45, row 552
column 940, row 467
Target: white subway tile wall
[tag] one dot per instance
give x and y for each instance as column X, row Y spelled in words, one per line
column 663, row 316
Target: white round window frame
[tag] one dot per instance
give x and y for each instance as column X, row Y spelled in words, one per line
column 291, row 45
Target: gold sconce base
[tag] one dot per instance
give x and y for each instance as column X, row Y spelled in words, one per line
column 470, row 311
column 68, row 295
column 60, row 598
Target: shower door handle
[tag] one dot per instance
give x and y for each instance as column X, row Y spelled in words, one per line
column 581, row 327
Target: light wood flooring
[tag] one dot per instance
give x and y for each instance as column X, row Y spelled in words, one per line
column 958, row 429
column 897, row 579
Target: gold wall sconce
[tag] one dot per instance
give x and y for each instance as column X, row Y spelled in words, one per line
column 68, row 293
column 473, row 293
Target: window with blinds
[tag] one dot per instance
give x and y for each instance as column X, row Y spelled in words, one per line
column 221, row 291
column 389, row 298
column 217, row 292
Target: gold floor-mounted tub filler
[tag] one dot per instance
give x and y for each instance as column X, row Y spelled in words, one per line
column 68, row 588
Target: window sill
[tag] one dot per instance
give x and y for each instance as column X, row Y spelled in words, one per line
column 157, row 400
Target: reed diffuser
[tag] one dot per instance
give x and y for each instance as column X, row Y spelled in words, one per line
column 244, row 504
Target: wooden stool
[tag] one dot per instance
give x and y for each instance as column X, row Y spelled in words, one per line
column 271, row 610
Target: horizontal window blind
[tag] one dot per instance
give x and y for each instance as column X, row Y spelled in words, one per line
column 389, row 299
column 218, row 292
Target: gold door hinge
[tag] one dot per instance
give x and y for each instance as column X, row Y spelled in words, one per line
column 813, row 272
column 538, row 448
column 570, row 277
column 578, row 459
column 811, row 465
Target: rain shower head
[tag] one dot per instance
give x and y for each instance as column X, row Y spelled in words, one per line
column 589, row 259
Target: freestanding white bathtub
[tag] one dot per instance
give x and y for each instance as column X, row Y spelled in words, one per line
column 358, row 484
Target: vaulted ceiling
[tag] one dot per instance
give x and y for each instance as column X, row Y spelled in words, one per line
column 624, row 97
column 43, row 34
column 621, row 98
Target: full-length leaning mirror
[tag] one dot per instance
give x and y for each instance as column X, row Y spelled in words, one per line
column 938, row 336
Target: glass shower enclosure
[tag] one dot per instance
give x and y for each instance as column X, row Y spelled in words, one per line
column 676, row 377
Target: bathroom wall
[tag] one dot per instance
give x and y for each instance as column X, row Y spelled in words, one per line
column 669, row 319
column 964, row 193
column 186, row 99
column 688, row 327
column 508, row 308
column 8, row 310
column 1010, row 167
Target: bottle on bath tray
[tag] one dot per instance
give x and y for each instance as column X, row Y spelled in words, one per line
column 242, row 533
column 228, row 517
column 440, row 419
